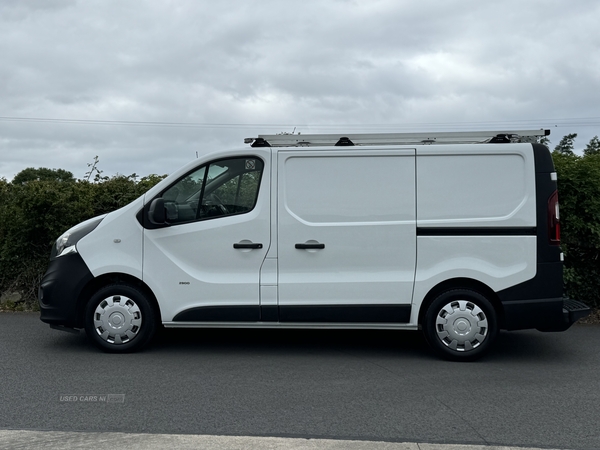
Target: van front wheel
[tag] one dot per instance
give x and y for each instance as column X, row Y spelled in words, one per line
column 119, row 318
column 460, row 325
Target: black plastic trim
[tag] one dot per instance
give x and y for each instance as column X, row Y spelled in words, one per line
column 310, row 246
column 547, row 283
column 345, row 313
column 501, row 139
column 547, row 314
column 260, row 142
column 220, row 314
column 269, row 313
column 251, row 245
column 344, row 142
column 476, row 231
column 542, row 158
column 60, row 289
column 310, row 313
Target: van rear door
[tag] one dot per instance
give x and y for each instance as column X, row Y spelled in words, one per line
column 346, row 235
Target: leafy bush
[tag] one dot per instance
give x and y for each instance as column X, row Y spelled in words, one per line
column 579, row 198
column 40, row 206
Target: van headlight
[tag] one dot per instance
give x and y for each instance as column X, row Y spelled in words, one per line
column 65, row 244
column 62, row 245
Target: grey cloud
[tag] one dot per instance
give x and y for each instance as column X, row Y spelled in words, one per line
column 313, row 64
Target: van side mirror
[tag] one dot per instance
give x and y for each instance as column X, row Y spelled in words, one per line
column 156, row 212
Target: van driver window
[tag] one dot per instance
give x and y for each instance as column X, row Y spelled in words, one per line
column 222, row 188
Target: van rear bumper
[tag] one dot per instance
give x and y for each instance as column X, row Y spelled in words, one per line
column 549, row 314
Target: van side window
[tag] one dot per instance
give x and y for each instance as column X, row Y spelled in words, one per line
column 222, row 188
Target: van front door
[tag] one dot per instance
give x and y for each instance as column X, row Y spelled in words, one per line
column 346, row 235
column 203, row 265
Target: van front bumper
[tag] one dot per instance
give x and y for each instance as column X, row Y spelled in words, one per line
column 555, row 314
column 61, row 288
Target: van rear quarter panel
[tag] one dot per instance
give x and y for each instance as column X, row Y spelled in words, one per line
column 487, row 185
column 481, row 202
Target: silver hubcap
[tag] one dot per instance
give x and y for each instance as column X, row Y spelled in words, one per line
column 461, row 325
column 117, row 319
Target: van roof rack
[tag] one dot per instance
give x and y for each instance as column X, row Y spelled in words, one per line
column 344, row 139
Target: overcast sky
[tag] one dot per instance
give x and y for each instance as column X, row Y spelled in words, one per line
column 207, row 74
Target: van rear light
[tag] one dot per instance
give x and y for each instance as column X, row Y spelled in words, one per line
column 553, row 220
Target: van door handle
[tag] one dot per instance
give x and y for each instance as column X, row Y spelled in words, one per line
column 247, row 245
column 310, row 246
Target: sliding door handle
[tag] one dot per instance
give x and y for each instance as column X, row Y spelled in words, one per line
column 247, row 245
column 310, row 246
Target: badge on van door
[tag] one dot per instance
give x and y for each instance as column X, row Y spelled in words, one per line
column 250, row 164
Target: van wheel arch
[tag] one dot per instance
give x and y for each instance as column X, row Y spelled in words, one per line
column 111, row 279
column 462, row 283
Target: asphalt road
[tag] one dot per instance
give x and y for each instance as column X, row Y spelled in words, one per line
column 534, row 389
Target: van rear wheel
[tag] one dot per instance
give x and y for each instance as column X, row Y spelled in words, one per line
column 460, row 325
column 119, row 318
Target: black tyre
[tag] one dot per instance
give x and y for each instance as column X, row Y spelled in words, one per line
column 460, row 325
column 119, row 318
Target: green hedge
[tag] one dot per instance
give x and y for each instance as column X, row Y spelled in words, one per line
column 34, row 212
column 40, row 204
column 579, row 199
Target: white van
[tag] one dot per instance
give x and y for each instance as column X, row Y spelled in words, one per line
column 380, row 231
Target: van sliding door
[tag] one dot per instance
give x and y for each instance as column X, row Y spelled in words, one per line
column 346, row 235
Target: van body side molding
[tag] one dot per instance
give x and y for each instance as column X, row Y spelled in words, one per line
column 240, row 313
column 476, row 231
column 346, row 313
column 299, row 314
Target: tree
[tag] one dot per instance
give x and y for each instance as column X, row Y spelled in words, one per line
column 42, row 174
column 566, row 144
column 593, row 147
column 544, row 140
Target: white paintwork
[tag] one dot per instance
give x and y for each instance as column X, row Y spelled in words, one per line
column 476, row 185
column 497, row 261
column 361, row 205
column 103, row 255
column 268, row 282
column 194, row 264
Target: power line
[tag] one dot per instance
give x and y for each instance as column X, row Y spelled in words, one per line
column 129, row 123
column 541, row 123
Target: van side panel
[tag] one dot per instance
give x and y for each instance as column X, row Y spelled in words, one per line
column 476, row 186
column 476, row 216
